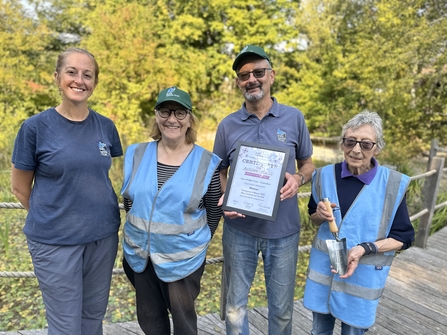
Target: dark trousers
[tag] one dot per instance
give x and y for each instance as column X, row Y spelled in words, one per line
column 155, row 299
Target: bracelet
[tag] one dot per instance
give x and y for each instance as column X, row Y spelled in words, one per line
column 303, row 180
column 370, row 247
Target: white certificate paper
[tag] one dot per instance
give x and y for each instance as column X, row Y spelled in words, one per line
column 256, row 176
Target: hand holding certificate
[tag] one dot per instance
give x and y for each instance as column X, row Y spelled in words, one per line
column 256, row 176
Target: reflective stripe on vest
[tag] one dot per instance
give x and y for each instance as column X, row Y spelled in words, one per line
column 343, row 286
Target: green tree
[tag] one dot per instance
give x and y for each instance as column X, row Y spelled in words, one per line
column 24, row 75
column 372, row 55
column 333, row 58
column 144, row 46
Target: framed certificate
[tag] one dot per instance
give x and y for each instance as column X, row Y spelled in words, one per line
column 256, row 176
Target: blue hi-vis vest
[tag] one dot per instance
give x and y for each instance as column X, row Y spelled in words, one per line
column 167, row 224
column 354, row 300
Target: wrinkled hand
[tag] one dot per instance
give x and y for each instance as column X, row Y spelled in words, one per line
column 231, row 215
column 353, row 260
column 321, row 213
column 290, row 189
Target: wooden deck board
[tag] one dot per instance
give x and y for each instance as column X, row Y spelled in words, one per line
column 407, row 304
column 258, row 318
column 414, row 301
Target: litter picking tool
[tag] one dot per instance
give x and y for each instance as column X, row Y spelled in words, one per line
column 338, row 253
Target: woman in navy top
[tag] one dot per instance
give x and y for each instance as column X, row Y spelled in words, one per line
column 60, row 174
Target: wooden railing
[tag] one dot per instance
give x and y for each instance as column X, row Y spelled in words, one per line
column 434, row 150
column 435, row 172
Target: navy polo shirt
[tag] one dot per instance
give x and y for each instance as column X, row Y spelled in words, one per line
column 282, row 126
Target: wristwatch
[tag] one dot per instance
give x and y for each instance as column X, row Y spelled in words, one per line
column 303, row 181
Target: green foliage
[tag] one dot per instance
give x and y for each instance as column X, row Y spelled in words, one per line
column 20, row 299
column 23, row 71
column 439, row 218
column 372, row 55
column 21, row 304
column 4, row 236
column 332, row 59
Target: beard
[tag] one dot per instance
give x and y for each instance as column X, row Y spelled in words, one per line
column 254, row 97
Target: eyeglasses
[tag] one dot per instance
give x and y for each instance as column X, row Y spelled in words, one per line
column 258, row 73
column 180, row 114
column 351, row 142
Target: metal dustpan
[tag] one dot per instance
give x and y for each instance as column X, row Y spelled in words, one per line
column 337, row 249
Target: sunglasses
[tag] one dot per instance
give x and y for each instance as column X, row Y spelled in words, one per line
column 180, row 114
column 258, row 73
column 350, row 142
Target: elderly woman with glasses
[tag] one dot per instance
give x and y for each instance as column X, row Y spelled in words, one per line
column 171, row 189
column 369, row 207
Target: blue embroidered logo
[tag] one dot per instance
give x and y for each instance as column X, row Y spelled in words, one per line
column 170, row 92
column 379, row 267
column 103, row 148
column 282, row 136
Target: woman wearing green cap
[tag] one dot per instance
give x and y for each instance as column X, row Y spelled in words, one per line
column 171, row 189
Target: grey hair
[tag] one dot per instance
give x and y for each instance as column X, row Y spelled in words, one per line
column 63, row 55
column 363, row 118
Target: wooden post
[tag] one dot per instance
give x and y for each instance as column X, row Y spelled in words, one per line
column 433, row 152
column 430, row 193
column 223, row 293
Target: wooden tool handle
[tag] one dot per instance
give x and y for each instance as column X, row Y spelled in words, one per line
column 332, row 225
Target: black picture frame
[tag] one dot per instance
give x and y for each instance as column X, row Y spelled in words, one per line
column 256, row 175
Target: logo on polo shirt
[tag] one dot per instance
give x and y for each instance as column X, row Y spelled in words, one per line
column 281, row 135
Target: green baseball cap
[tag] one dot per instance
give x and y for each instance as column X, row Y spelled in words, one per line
column 174, row 94
column 247, row 51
